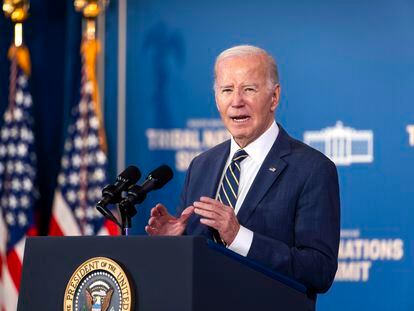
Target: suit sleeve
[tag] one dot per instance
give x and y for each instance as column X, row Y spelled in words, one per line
column 313, row 258
column 183, row 197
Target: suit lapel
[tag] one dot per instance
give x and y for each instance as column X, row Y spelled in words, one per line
column 215, row 169
column 270, row 170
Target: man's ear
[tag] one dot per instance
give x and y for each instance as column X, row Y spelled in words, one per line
column 275, row 97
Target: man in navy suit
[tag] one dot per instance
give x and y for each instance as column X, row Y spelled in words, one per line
column 285, row 210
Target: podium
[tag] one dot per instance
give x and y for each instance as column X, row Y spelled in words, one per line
column 167, row 273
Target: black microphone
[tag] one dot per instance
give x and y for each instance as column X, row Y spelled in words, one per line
column 155, row 180
column 112, row 193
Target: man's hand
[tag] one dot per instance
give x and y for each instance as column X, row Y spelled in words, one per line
column 218, row 216
column 163, row 223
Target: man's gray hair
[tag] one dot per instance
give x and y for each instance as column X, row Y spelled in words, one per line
column 244, row 50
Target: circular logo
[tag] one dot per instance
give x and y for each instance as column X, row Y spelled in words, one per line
column 98, row 284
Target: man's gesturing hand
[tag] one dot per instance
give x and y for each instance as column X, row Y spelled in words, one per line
column 219, row 216
column 163, row 223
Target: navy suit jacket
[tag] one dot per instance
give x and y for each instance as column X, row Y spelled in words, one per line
column 292, row 208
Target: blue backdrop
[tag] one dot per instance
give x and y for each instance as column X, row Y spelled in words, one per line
column 347, row 74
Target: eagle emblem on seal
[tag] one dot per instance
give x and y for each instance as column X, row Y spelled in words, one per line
column 98, row 296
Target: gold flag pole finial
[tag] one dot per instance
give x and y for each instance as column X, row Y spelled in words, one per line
column 17, row 11
column 90, row 10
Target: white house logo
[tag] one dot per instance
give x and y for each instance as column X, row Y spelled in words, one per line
column 410, row 131
column 343, row 145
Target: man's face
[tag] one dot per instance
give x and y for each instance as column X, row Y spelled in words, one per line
column 244, row 99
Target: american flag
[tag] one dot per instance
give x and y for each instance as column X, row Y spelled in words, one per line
column 18, row 192
column 83, row 172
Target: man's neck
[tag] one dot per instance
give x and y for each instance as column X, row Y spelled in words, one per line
column 243, row 143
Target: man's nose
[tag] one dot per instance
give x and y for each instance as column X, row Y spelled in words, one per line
column 238, row 99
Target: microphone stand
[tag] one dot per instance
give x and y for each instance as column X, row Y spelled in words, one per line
column 124, row 229
column 126, row 206
column 127, row 212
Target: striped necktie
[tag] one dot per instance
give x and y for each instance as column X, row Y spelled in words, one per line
column 229, row 186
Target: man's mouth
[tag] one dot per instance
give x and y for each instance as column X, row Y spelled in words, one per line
column 240, row 119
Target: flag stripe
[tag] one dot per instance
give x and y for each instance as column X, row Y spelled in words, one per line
column 10, row 292
column 54, row 229
column 63, row 217
column 19, row 249
column 13, row 261
column 111, row 227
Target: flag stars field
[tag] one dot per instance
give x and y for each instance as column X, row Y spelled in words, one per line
column 83, row 107
column 89, row 230
column 99, row 175
column 10, row 219
column 94, row 122
column 76, row 160
column 22, row 81
column 64, row 162
column 26, row 135
column 100, row 157
column 73, row 179
column 68, row 146
column 13, row 202
column 11, row 150
column 89, row 214
column 18, row 114
column 92, row 141
column 71, row 196
column 19, row 97
column 19, row 167
column 80, row 125
column 61, row 179
column 24, row 201
column 22, row 150
column 80, row 213
column 14, row 132
column 27, row 184
column 27, row 101
column 16, row 184
column 78, row 142
column 22, row 219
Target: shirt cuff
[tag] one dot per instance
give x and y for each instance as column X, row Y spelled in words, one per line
column 242, row 241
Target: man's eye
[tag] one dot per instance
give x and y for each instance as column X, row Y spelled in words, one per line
column 250, row 89
column 226, row 90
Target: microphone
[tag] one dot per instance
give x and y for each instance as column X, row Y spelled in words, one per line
column 112, row 193
column 155, row 180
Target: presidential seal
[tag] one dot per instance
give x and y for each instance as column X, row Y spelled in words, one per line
column 98, row 284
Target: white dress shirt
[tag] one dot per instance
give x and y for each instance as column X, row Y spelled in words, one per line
column 257, row 151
